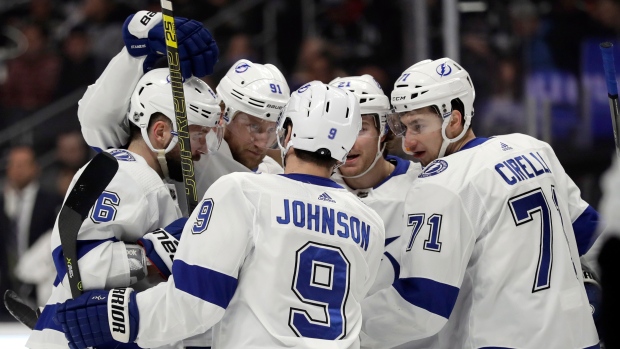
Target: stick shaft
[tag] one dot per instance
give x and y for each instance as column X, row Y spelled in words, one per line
column 178, row 96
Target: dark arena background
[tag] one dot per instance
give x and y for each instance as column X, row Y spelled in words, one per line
column 535, row 65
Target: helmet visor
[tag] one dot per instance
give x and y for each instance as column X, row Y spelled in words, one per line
column 251, row 129
column 415, row 122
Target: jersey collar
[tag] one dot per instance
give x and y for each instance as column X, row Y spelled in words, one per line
column 316, row 180
column 474, row 143
column 400, row 167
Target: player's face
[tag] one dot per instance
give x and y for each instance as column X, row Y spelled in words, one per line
column 423, row 134
column 249, row 138
column 198, row 141
column 365, row 149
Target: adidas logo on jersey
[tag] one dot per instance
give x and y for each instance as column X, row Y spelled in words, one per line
column 326, row 197
column 505, row 147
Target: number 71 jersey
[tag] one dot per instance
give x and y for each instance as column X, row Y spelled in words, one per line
column 490, row 255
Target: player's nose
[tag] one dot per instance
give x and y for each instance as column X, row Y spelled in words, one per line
column 410, row 141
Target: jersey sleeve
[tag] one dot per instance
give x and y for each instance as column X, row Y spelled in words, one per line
column 434, row 251
column 584, row 218
column 122, row 214
column 215, row 242
column 103, row 109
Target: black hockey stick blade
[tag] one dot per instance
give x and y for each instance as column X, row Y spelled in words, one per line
column 20, row 310
column 92, row 182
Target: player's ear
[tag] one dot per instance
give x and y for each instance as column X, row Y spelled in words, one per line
column 160, row 133
column 455, row 126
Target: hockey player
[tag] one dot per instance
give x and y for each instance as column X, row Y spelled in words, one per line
column 252, row 94
column 491, row 253
column 112, row 246
column 282, row 260
column 376, row 178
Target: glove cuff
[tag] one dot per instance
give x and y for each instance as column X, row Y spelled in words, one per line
column 123, row 315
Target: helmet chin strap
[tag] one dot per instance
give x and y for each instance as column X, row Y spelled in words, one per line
column 447, row 141
column 161, row 157
column 377, row 157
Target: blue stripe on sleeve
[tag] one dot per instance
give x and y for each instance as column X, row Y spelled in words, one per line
column 585, row 228
column 83, row 247
column 436, row 297
column 206, row 284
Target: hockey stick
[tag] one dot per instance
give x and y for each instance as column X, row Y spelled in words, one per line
column 21, row 311
column 178, row 96
column 95, row 178
column 607, row 50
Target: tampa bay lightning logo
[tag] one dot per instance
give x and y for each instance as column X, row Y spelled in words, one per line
column 303, row 88
column 242, row 67
column 122, row 155
column 435, row 167
column 168, row 79
column 443, row 69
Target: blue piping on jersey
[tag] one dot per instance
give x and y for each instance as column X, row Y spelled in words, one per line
column 434, row 296
column 401, row 167
column 209, row 285
column 395, row 265
column 585, row 228
column 316, row 180
column 83, row 247
column 474, row 143
column 97, row 149
column 390, row 240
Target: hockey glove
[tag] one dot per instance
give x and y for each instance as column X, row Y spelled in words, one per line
column 143, row 34
column 161, row 246
column 100, row 317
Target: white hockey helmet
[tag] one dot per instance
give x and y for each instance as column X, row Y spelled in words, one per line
column 258, row 90
column 326, row 120
column 433, row 83
column 153, row 94
column 372, row 101
column 370, row 96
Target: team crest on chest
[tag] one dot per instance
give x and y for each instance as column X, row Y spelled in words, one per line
column 434, row 168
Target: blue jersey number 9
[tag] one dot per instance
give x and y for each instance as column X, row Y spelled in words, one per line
column 321, row 280
column 203, row 217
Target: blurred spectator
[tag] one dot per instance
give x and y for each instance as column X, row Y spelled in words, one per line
column 71, row 154
column 380, row 76
column 239, row 46
column 31, row 77
column 607, row 12
column 78, row 63
column 31, row 212
column 504, row 113
column 103, row 20
column 315, row 62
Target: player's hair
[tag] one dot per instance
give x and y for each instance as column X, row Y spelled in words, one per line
column 136, row 133
column 456, row 104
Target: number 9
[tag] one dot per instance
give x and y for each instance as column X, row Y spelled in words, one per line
column 322, row 274
column 332, row 133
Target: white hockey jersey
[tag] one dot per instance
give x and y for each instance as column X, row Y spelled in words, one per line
column 281, row 260
column 102, row 114
column 387, row 199
column 491, row 254
column 134, row 203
